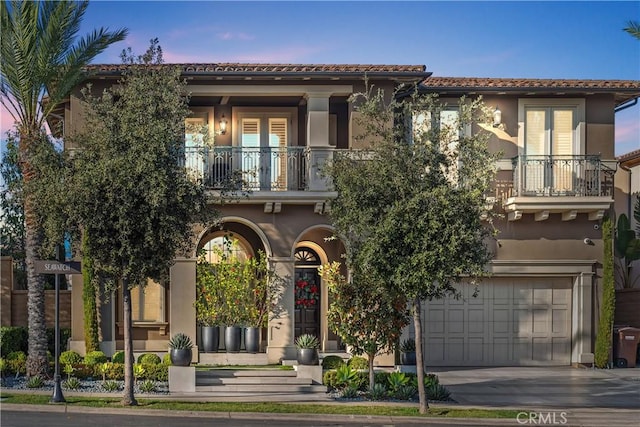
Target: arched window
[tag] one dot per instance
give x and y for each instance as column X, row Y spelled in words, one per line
column 231, row 246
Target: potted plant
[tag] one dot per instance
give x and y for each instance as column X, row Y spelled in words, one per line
column 180, row 346
column 307, row 346
column 209, row 306
column 408, row 352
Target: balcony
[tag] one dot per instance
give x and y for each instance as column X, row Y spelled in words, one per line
column 567, row 185
column 268, row 173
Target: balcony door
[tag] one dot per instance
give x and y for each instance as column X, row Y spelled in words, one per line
column 550, row 146
column 264, row 140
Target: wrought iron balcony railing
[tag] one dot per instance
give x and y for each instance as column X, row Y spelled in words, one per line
column 254, row 168
column 582, row 176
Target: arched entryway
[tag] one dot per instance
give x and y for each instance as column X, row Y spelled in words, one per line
column 307, row 292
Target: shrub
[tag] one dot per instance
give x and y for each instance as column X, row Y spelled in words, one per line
column 118, row 357
column 17, row 355
column 115, row 371
column 358, row 362
column 349, row 392
column 12, row 339
column 111, row 385
column 437, row 392
column 155, row 372
column 405, row 392
column 70, row 357
column 346, row 376
column 307, row 341
column 332, row 362
column 149, row 359
column 147, row 386
column 397, row 380
column 84, row 371
column 378, row 392
column 95, row 357
column 329, row 379
column 166, row 360
column 35, row 382
column 71, row 383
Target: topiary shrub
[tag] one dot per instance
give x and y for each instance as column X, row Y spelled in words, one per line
column 605, row 322
column 155, row 372
column 70, row 357
column 114, row 371
column 94, row 357
column 358, row 362
column 149, row 359
column 118, row 357
column 330, row 379
column 332, row 362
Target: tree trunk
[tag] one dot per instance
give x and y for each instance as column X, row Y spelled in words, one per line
column 417, row 324
column 371, row 373
column 128, row 399
column 37, row 363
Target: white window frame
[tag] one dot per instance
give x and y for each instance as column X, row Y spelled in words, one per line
column 578, row 104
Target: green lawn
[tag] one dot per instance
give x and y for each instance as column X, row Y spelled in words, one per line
column 264, row 407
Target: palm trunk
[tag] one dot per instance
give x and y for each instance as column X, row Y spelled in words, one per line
column 417, row 324
column 37, row 363
column 128, row 399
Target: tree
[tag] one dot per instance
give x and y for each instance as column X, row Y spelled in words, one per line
column 633, row 28
column 410, row 208
column 131, row 192
column 363, row 313
column 41, row 60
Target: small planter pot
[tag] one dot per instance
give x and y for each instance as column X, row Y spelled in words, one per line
column 307, row 356
column 408, row 358
column 252, row 339
column 233, row 338
column 210, row 338
column 180, row 356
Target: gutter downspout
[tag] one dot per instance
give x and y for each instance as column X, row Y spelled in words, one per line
column 625, row 106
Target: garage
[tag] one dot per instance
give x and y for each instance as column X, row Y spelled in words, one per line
column 512, row 322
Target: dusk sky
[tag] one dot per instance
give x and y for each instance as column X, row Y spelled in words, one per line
column 564, row 40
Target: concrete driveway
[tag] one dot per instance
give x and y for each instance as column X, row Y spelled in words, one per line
column 551, row 387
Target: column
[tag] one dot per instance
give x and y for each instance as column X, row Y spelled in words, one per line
column 280, row 332
column 318, row 138
column 582, row 319
column 182, row 295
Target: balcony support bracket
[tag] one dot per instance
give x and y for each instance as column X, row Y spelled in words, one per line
column 515, row 215
column 569, row 215
column 542, row 215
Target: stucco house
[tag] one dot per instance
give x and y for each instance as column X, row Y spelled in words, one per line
column 555, row 184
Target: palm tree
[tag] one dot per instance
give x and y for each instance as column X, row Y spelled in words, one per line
column 633, row 28
column 41, row 60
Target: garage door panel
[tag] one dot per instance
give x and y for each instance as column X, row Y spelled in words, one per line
column 521, row 321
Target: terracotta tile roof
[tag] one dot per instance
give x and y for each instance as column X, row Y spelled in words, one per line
column 633, row 156
column 238, row 68
column 522, row 84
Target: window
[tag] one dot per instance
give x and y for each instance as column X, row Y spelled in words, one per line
column 147, row 304
column 235, row 247
column 264, row 138
column 550, row 136
column 198, row 130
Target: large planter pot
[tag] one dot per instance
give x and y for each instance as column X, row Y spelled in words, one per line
column 252, row 339
column 233, row 338
column 307, row 356
column 180, row 356
column 408, row 358
column 210, row 338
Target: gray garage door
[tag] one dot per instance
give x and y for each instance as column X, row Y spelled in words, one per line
column 512, row 322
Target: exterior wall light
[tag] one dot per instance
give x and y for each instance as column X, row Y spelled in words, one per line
column 497, row 117
column 223, row 125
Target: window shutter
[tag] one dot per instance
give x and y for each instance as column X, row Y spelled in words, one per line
column 250, row 132
column 562, row 137
column 535, row 132
column 277, row 132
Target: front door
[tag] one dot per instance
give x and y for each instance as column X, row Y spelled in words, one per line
column 307, row 293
